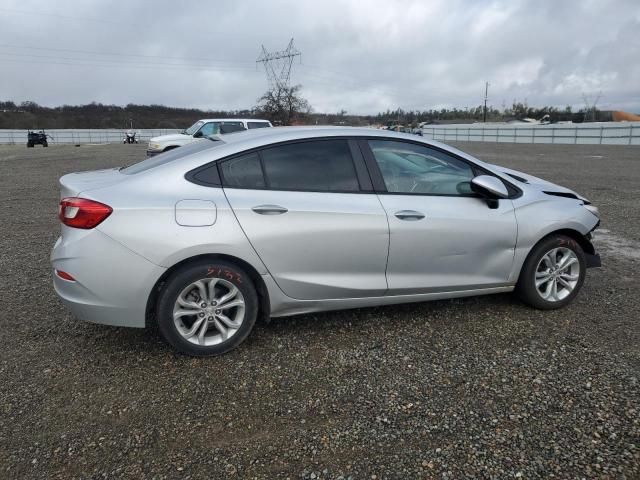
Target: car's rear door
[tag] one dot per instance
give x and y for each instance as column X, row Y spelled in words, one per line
column 443, row 237
column 309, row 211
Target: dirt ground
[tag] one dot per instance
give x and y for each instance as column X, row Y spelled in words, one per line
column 476, row 388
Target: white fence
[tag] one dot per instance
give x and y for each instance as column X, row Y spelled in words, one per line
column 610, row 133
column 74, row 136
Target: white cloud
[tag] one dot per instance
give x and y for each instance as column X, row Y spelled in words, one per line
column 360, row 56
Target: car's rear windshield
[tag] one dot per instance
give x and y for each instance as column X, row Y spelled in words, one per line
column 170, row 156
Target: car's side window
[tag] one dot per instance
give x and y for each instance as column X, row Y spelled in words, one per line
column 243, row 172
column 230, row 127
column 252, row 125
column 208, row 129
column 318, row 166
column 416, row 169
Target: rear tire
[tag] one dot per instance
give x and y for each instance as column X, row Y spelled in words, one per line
column 207, row 308
column 29, row 145
column 553, row 273
column 45, row 144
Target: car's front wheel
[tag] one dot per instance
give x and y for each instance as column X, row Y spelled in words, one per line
column 207, row 308
column 553, row 273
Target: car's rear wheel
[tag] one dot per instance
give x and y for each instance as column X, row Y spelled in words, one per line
column 553, row 273
column 207, row 308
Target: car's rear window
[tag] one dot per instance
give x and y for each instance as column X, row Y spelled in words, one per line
column 252, row 125
column 170, row 156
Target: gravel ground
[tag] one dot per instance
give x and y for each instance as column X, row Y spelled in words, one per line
column 475, row 388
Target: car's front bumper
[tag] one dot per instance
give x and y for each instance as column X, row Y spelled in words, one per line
column 592, row 258
column 111, row 283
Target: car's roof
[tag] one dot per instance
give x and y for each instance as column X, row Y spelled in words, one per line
column 233, row 120
column 278, row 134
column 237, row 142
column 265, row 136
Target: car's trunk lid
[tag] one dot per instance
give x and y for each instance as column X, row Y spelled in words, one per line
column 73, row 184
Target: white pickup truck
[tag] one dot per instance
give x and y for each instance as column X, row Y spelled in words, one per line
column 202, row 129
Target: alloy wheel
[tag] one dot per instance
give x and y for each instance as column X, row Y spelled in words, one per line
column 557, row 274
column 209, row 311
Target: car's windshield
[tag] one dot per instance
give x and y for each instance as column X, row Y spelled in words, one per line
column 193, row 128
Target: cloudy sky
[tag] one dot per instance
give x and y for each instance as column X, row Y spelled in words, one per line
column 363, row 56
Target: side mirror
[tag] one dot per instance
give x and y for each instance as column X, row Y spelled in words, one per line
column 489, row 187
column 198, row 134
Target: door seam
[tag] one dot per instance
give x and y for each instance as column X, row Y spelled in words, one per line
column 266, row 267
column 386, row 265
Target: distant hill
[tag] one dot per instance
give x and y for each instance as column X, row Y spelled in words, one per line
column 96, row 115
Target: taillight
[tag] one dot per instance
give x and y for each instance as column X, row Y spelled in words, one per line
column 82, row 213
column 65, row 276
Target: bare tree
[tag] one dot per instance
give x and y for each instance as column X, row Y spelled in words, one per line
column 283, row 105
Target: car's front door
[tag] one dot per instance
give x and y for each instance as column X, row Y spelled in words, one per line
column 207, row 129
column 443, row 237
column 309, row 211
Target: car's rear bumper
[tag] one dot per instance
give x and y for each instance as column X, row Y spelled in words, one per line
column 111, row 283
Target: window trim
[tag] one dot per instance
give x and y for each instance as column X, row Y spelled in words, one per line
column 369, row 175
column 380, row 186
column 357, row 160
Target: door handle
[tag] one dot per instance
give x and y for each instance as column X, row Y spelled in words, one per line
column 269, row 209
column 410, row 215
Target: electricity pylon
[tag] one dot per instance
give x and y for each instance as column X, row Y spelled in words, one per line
column 278, row 64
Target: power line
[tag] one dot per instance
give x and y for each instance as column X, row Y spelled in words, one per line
column 591, row 111
column 486, row 93
column 34, row 12
column 124, row 65
column 338, row 79
column 119, row 54
column 118, row 63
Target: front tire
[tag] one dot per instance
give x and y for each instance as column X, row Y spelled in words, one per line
column 207, row 308
column 553, row 273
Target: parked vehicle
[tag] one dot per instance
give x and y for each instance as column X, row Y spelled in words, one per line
column 130, row 137
column 37, row 138
column 207, row 238
column 202, row 129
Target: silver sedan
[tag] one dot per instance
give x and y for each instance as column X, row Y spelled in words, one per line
column 205, row 239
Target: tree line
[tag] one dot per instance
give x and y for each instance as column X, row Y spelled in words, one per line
column 281, row 105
